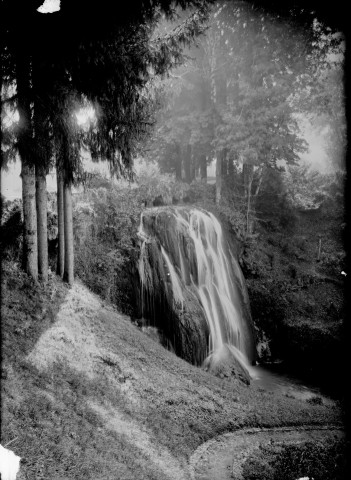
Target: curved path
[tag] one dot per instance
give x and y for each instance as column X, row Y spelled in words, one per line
column 222, row 458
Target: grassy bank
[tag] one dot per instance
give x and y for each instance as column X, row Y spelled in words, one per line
column 86, row 394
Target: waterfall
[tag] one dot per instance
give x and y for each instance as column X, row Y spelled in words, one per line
column 186, row 259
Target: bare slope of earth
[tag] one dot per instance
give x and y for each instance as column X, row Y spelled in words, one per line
column 86, row 394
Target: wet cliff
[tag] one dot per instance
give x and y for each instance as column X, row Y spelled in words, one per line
column 191, row 286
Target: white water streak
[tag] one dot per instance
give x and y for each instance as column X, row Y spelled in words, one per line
column 216, row 286
column 217, row 270
column 175, row 281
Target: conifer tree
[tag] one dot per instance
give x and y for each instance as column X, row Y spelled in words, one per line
column 102, row 57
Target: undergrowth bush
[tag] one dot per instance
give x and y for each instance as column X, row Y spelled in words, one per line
column 317, row 461
column 155, row 188
column 200, row 192
column 106, row 221
column 11, row 229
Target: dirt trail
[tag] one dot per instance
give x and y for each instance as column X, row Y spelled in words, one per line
column 222, row 458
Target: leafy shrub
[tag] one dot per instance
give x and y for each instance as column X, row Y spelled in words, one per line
column 156, row 187
column 315, row 460
column 200, row 192
column 235, row 217
column 11, row 229
column 274, row 211
column 308, row 189
column 105, row 230
column 320, row 461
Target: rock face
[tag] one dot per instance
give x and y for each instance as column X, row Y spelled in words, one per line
column 191, row 286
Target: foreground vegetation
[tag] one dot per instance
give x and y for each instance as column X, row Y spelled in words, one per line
column 323, row 461
column 87, row 394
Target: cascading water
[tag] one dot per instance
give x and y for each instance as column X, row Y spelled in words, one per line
column 189, row 274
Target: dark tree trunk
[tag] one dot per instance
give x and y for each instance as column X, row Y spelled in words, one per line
column 41, row 199
column 30, row 246
column 61, row 227
column 30, row 250
column 42, row 157
column 218, row 178
column 230, row 166
column 193, row 165
column 203, row 168
column 68, row 275
column 224, row 162
column 187, row 163
column 248, row 173
column 221, row 165
column 178, row 162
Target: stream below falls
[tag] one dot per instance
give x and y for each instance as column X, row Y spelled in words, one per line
column 269, row 380
column 274, row 378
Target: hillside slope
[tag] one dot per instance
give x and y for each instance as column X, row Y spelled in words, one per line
column 86, row 394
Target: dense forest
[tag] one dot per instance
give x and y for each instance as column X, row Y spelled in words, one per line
column 193, row 236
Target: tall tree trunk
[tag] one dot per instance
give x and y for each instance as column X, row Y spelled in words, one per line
column 248, row 209
column 30, row 250
column 224, row 163
column 248, row 172
column 43, row 155
column 259, row 183
column 178, row 164
column 61, row 226
column 30, row 246
column 193, row 164
column 219, row 99
column 41, row 199
column 252, row 194
column 203, row 168
column 187, row 163
column 213, row 67
column 68, row 275
column 220, row 162
column 218, row 179
column 230, row 166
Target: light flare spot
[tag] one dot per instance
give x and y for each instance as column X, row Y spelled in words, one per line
column 85, row 115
